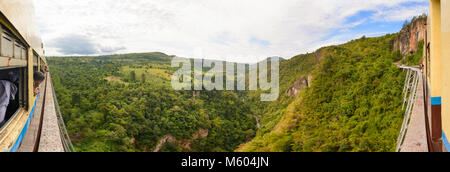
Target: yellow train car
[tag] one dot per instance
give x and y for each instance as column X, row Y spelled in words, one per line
column 21, row 50
column 437, row 65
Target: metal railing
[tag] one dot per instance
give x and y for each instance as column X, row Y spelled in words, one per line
column 65, row 139
column 409, row 95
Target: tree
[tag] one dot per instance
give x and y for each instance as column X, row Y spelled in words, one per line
column 76, row 98
column 133, row 75
column 143, row 77
column 405, row 24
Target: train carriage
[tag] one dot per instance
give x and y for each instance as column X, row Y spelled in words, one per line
column 21, row 50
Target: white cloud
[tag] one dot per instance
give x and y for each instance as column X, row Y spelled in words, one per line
column 400, row 13
column 222, row 29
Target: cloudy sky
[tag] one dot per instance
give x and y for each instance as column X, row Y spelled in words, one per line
column 233, row 30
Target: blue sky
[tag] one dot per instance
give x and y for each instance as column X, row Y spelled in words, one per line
column 376, row 22
column 373, row 27
column 232, row 30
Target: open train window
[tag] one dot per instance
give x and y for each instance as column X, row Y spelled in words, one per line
column 13, row 76
column 13, row 93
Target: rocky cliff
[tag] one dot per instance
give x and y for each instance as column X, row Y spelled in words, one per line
column 410, row 36
column 298, row 86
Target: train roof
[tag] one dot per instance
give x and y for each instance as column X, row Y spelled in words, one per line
column 19, row 17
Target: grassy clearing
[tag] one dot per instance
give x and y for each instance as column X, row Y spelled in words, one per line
column 116, row 79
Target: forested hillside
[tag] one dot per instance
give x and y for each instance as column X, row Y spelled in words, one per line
column 339, row 98
column 125, row 103
column 352, row 103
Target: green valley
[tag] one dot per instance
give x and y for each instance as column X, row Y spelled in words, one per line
column 337, row 99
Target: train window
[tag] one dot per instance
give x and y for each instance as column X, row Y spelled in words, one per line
column 7, row 46
column 13, row 95
column 42, row 65
column 24, row 53
column 17, row 51
column 11, row 50
column 35, row 60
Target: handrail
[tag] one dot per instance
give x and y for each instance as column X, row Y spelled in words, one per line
column 409, row 93
column 67, row 143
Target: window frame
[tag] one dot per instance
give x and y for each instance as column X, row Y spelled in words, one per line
column 15, row 62
column 19, row 50
column 11, row 41
column 6, row 61
column 35, row 59
column 22, row 92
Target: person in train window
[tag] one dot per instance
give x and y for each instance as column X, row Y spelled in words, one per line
column 8, row 90
column 38, row 78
